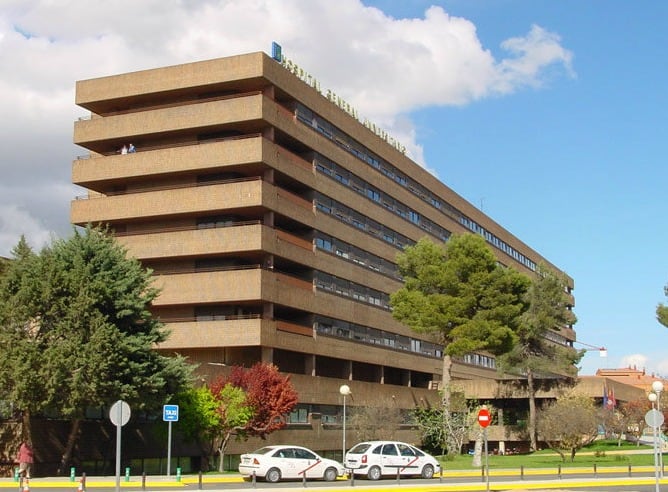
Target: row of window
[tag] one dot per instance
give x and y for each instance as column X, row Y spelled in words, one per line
column 308, row 117
column 356, row 255
column 345, row 177
column 373, row 336
column 480, row 360
column 557, row 338
column 350, row 216
column 346, row 288
column 331, row 414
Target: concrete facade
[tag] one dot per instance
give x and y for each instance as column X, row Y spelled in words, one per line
column 272, row 217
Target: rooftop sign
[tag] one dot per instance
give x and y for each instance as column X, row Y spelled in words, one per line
column 304, row 76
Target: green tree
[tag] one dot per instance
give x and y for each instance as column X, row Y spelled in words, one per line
column 458, row 293
column 199, row 419
column 235, row 412
column 438, row 431
column 633, row 414
column 535, row 353
column 76, row 332
column 662, row 310
column 569, row 424
column 268, row 398
column 4, row 265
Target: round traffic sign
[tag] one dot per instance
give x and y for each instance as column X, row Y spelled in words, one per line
column 654, row 418
column 119, row 413
column 484, row 417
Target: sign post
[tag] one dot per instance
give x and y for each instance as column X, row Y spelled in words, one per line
column 170, row 413
column 484, row 419
column 654, row 419
column 119, row 414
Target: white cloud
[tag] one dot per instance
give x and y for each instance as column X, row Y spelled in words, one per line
column 532, row 54
column 15, row 222
column 385, row 67
column 637, row 361
column 662, row 368
column 654, row 364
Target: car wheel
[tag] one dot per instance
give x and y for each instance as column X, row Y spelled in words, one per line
column 330, row 474
column 427, row 471
column 273, row 475
column 373, row 473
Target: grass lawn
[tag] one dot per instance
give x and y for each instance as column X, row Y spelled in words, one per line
column 602, row 453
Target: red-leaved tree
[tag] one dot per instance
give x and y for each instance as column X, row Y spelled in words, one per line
column 634, row 412
column 270, row 396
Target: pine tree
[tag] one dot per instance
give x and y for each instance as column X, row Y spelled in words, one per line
column 76, row 331
column 458, row 293
column 535, row 354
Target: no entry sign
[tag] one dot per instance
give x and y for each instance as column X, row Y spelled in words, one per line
column 483, row 417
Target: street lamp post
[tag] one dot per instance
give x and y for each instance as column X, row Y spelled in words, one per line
column 345, row 391
column 653, row 420
column 657, row 387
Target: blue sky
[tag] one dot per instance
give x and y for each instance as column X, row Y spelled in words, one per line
column 575, row 168
column 561, row 142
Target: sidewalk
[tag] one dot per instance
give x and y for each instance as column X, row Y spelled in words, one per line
column 452, row 481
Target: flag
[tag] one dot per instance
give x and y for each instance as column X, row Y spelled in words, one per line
column 605, row 396
column 612, row 403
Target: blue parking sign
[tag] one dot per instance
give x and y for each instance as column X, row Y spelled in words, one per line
column 170, row 413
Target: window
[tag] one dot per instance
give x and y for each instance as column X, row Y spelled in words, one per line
column 323, row 207
column 390, row 450
column 323, row 243
column 323, row 169
column 373, row 194
column 285, row 453
column 341, row 178
column 303, row 454
column 298, row 416
column 405, row 450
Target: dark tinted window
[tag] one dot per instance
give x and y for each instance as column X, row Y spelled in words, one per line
column 417, row 452
column 285, row 453
column 360, row 448
column 390, row 450
column 405, row 450
column 263, row 450
column 304, row 454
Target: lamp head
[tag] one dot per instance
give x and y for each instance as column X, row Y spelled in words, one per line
column 657, row 386
column 652, row 397
column 344, row 390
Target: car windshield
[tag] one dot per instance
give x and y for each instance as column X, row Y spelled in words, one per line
column 360, row 448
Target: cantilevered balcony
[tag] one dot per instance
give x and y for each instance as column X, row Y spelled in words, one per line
column 99, row 173
column 102, row 135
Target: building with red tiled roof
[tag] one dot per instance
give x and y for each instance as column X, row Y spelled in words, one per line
column 633, row 377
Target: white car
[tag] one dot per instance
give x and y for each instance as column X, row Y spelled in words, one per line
column 377, row 458
column 274, row 463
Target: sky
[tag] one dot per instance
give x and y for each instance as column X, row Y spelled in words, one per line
column 550, row 116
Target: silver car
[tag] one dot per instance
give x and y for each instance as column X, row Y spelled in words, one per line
column 375, row 459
